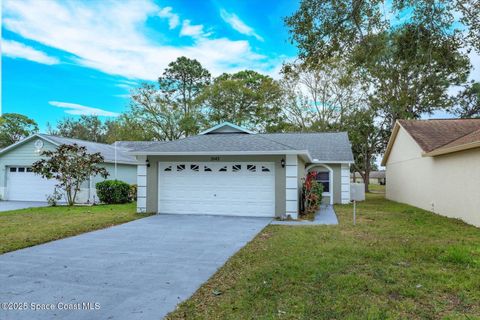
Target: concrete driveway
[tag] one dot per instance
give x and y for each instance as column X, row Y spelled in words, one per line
column 138, row 270
column 15, row 205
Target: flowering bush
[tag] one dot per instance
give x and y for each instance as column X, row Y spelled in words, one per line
column 312, row 193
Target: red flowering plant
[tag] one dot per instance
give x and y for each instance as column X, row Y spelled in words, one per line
column 312, row 193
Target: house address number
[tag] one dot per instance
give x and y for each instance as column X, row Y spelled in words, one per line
column 215, row 159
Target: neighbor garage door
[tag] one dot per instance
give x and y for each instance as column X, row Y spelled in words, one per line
column 217, row 188
column 24, row 185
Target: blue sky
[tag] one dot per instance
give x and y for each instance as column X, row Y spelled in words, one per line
column 65, row 58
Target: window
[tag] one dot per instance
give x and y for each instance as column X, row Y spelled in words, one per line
column 223, row 169
column 324, row 179
column 236, row 167
column 195, row 167
column 180, row 167
column 169, row 168
column 207, row 169
column 265, row 169
column 29, row 170
column 251, row 168
column 21, row 169
column 13, row 169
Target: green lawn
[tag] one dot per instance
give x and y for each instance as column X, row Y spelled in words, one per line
column 28, row 227
column 399, row 262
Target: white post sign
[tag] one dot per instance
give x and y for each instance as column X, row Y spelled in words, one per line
column 357, row 193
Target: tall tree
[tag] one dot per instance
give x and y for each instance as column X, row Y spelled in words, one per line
column 409, row 65
column 87, row 127
column 467, row 102
column 367, row 134
column 128, row 127
column 318, row 96
column 181, row 83
column 246, row 98
column 15, row 127
column 157, row 118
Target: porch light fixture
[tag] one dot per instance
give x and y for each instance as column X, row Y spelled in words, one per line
column 282, row 163
column 148, row 163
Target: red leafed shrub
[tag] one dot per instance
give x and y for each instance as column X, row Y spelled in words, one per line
column 312, row 193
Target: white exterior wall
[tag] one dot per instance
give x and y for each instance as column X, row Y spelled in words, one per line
column 345, row 183
column 142, row 184
column 291, row 186
column 447, row 184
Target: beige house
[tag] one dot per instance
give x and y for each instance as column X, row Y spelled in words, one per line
column 229, row 170
column 435, row 165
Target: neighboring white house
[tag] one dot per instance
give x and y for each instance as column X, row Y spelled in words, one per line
column 228, row 170
column 18, row 182
column 435, row 165
column 376, row 177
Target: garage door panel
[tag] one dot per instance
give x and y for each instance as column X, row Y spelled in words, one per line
column 24, row 185
column 241, row 192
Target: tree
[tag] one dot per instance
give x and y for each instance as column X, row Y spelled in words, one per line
column 318, row 97
column 127, row 127
column 15, row 127
column 467, row 102
column 180, row 85
column 408, row 65
column 70, row 165
column 87, row 127
column 367, row 134
column 246, row 98
column 158, row 119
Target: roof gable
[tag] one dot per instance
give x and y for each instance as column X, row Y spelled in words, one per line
column 226, row 127
column 107, row 151
column 27, row 139
column 438, row 136
column 433, row 134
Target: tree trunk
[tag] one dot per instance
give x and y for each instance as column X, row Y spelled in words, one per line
column 366, row 180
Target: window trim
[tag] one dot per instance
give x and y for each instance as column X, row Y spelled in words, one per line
column 312, row 167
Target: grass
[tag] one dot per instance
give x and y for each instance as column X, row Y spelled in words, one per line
column 29, row 227
column 398, row 262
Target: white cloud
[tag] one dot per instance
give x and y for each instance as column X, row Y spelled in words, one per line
column 234, row 21
column 14, row 49
column 110, row 36
column 78, row 109
column 173, row 19
column 191, row 30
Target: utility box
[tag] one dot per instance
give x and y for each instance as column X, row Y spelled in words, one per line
column 357, row 191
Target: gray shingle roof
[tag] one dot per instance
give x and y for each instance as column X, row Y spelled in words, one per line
column 107, row 150
column 324, row 146
column 331, row 146
column 133, row 145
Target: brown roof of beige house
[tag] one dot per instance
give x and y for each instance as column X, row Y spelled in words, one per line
column 439, row 136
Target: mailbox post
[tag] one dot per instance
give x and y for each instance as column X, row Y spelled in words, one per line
column 357, row 193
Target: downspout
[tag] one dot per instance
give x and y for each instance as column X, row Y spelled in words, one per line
column 115, row 160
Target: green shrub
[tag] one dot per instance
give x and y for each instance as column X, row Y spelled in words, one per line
column 113, row 191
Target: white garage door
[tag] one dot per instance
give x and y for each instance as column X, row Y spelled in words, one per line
column 24, row 185
column 217, row 188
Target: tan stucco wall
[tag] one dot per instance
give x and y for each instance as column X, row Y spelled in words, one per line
column 448, row 184
column 152, row 174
